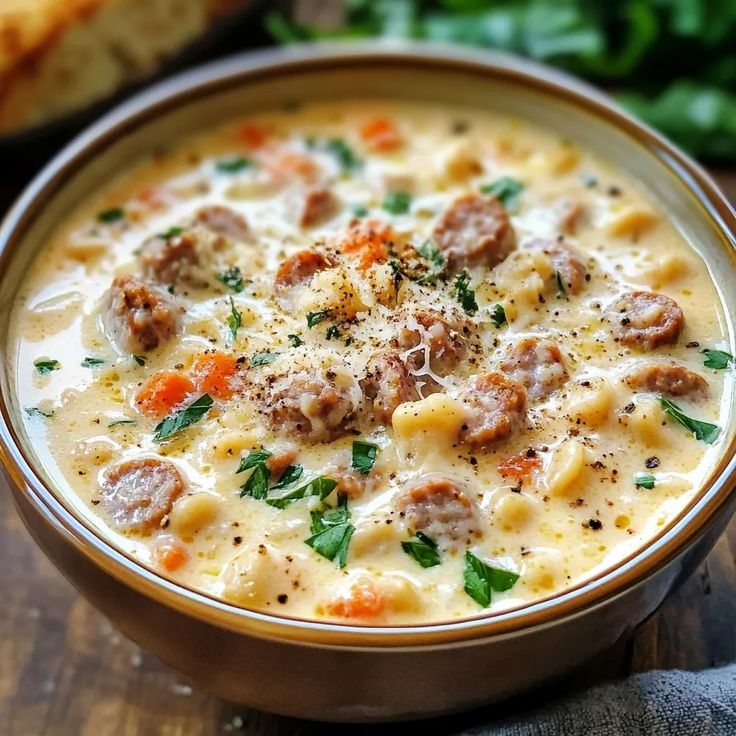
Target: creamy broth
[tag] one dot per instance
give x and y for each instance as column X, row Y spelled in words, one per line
column 425, row 312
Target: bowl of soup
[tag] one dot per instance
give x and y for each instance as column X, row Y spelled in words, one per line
column 360, row 383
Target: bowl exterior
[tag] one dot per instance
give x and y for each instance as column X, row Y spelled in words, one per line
column 267, row 662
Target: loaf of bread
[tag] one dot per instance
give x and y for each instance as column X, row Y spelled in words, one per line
column 57, row 56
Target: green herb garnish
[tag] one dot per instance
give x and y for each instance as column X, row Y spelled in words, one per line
column 35, row 411
column 91, row 362
column 432, row 254
column 232, row 278
column 643, row 480
column 182, row 419
column 314, row 318
column 506, row 190
column 172, row 232
column 719, row 360
column 235, row 320
column 333, row 333
column 112, row 215
column 703, row 431
column 295, row 340
column 321, row 486
column 45, row 365
column 423, row 550
column 253, row 458
column 116, row 422
column 140, row 359
column 561, row 288
column 498, row 316
column 233, row 165
column 257, row 484
column 364, row 456
column 464, row 294
column 344, row 154
column 397, row 203
column 360, row 211
column 290, row 476
column 481, row 579
column 263, row 359
column 331, row 532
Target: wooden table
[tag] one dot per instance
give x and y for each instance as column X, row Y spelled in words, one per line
column 65, row 672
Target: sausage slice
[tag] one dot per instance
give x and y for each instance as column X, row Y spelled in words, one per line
column 438, row 507
column 319, row 205
column 536, row 363
column 646, row 319
column 224, row 221
column 565, row 261
column 496, row 408
column 318, row 404
column 170, row 260
column 388, row 384
column 139, row 493
column 138, row 316
column 475, row 231
column 667, row 378
column 298, row 269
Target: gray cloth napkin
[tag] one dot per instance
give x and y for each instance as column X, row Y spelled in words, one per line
column 663, row 703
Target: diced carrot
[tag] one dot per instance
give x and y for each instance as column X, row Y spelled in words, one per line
column 286, row 165
column 152, row 197
column 171, row 556
column 212, row 374
column 521, row 466
column 162, row 392
column 381, row 134
column 252, row 135
column 369, row 241
column 363, row 601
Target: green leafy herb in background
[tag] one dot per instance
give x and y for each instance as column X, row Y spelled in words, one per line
column 506, row 190
column 45, row 365
column 423, row 549
column 397, row 202
column 671, row 62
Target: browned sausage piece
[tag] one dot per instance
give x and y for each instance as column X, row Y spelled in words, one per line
column 350, row 482
column 139, row 493
column 170, row 260
column 667, row 378
column 536, row 363
column 646, row 319
column 496, row 409
column 446, row 337
column 388, row 384
column 138, row 316
column 438, row 507
column 475, row 231
column 223, row 221
column 317, row 404
column 319, row 205
column 299, row 268
column 565, row 261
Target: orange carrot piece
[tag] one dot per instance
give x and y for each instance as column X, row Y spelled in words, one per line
column 381, row 134
column 162, row 392
column 521, row 466
column 286, row 165
column 171, row 556
column 212, row 374
column 252, row 135
column 369, row 241
column 363, row 601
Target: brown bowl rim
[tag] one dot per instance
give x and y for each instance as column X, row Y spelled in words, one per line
column 678, row 535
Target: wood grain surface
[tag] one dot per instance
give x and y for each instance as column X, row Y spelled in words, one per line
column 65, row 672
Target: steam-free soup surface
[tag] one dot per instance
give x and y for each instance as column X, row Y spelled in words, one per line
column 373, row 362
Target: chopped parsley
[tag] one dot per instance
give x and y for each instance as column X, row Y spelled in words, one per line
column 333, row 333
column 397, row 202
column 423, row 550
column 498, row 316
column 331, row 532
column 561, row 288
column 140, row 359
column 233, row 165
column 172, row 232
column 431, row 253
column 719, row 360
column 190, row 414
column 321, row 486
column 263, row 359
column 364, row 456
column 643, row 480
column 114, row 214
column 232, row 278
column 464, row 294
column 89, row 362
column 34, row 411
column 45, row 365
column 257, row 484
column 703, row 431
column 506, row 190
column 481, row 579
column 314, row 318
column 360, row 210
column 295, row 341
column 117, row 422
column 344, row 154
column 290, row 476
column 235, row 320
column 253, row 458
